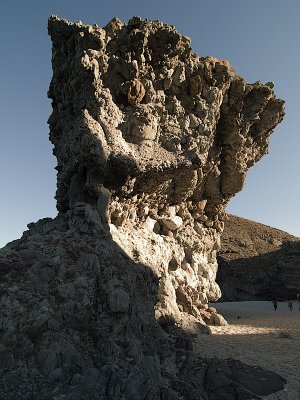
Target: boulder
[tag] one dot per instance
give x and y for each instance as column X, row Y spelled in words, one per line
column 217, row 320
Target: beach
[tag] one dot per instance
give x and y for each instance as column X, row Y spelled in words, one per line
column 259, row 336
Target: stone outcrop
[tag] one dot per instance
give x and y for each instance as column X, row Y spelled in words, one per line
column 257, row 262
column 151, row 143
column 167, row 135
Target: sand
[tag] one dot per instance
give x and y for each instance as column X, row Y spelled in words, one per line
column 258, row 335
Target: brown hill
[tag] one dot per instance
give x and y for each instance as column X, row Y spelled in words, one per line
column 257, row 262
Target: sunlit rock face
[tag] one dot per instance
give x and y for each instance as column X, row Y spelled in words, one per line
column 164, row 136
column 151, row 142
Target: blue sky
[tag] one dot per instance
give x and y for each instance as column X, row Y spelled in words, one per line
column 259, row 38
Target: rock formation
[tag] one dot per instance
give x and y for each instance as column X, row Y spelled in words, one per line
column 151, row 143
column 168, row 134
column 257, row 262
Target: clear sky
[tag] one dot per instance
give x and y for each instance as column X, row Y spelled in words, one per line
column 259, row 37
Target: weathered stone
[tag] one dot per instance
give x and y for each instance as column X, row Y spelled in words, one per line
column 195, row 85
column 118, row 301
column 56, row 375
column 136, row 92
column 217, row 320
column 143, row 131
column 172, row 223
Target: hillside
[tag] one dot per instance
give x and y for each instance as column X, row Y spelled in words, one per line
column 257, row 262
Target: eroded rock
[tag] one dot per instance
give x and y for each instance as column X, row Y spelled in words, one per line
column 151, row 142
column 160, row 128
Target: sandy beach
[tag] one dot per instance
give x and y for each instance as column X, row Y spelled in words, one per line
column 258, row 335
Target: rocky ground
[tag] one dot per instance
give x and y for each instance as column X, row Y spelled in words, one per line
column 257, row 262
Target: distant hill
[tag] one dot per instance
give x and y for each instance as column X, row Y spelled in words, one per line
column 257, row 262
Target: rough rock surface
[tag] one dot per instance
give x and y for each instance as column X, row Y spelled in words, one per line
column 257, row 262
column 164, row 134
column 151, row 142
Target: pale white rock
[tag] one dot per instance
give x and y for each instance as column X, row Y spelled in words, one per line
column 172, row 223
column 150, row 223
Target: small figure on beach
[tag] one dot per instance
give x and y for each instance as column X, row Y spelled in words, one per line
column 290, row 305
column 275, row 304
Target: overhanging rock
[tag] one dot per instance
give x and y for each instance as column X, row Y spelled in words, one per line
column 164, row 136
column 151, row 142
